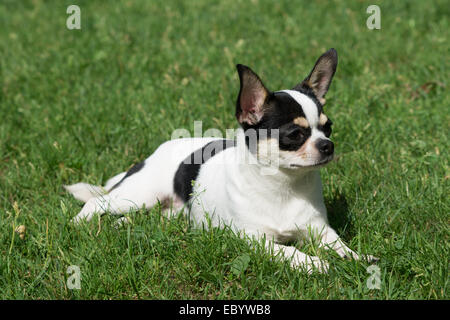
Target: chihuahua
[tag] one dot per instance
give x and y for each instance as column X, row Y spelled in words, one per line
column 264, row 184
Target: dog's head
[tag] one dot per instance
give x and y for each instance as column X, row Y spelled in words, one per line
column 296, row 131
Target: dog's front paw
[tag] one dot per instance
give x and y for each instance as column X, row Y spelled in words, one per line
column 310, row 265
column 319, row 265
column 80, row 218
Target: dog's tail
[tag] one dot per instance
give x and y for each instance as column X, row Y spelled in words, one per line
column 84, row 191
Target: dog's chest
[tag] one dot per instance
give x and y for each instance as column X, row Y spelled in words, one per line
column 278, row 217
column 256, row 206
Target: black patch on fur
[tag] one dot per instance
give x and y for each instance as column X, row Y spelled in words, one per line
column 280, row 111
column 326, row 128
column 136, row 168
column 190, row 167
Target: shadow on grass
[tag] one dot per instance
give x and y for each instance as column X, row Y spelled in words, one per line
column 339, row 216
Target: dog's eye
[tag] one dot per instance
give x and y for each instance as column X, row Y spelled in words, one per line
column 292, row 137
column 295, row 134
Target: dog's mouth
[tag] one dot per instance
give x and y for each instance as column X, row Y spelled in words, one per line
column 318, row 164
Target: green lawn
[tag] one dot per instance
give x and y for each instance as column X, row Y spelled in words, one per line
column 83, row 105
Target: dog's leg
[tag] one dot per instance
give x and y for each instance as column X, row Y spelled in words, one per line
column 173, row 206
column 330, row 240
column 170, row 208
column 106, row 203
column 132, row 194
column 298, row 259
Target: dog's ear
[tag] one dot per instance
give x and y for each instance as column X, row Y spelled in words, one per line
column 321, row 75
column 251, row 98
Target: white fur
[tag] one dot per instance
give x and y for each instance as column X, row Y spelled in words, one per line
column 307, row 104
column 153, row 183
column 283, row 205
column 84, row 191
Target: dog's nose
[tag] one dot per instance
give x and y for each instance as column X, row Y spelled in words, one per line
column 326, row 147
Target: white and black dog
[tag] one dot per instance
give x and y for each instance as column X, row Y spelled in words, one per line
column 264, row 184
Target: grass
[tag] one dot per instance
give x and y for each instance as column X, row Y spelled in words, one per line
column 83, row 105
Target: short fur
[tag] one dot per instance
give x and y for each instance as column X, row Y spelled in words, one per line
column 265, row 185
